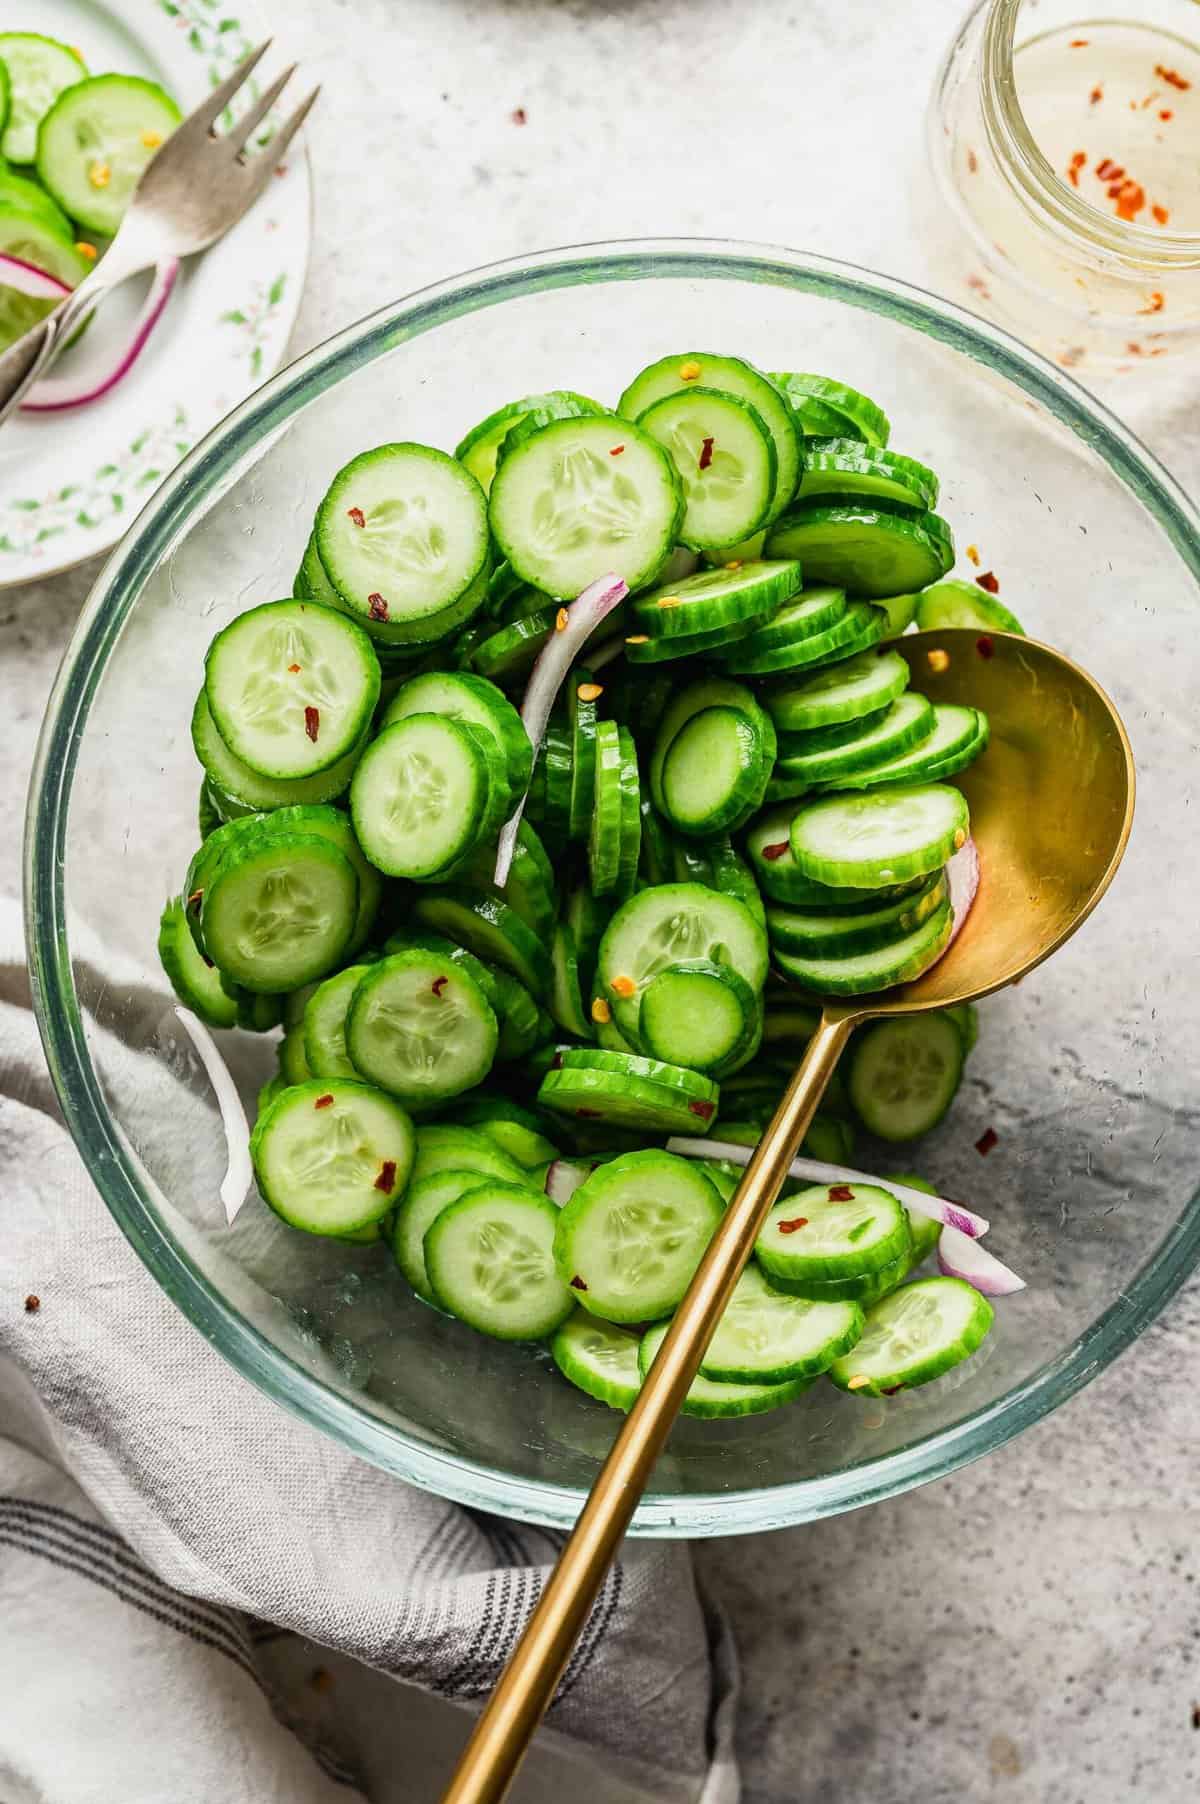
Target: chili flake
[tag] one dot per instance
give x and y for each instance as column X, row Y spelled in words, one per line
column 1074, row 166
column 972, row 162
column 323, row 1102
column 973, row 555
column 32, row 1304
column 856, row 1383
column 689, row 371
column 601, row 1011
column 588, row 1114
column 989, row 581
column 86, row 250
column 668, row 601
column 438, row 985
column 1159, row 214
column 638, row 639
column 377, row 607
column 1157, row 303
column 1172, row 77
column 577, row 1282
column 1108, row 171
column 891, row 1389
column 1096, row 95
column 623, row 986
column 703, row 1109
column 1130, row 200
column 312, row 723
column 793, row 1226
column 590, row 692
column 1078, row 43
column 386, row 1181
column 560, row 620
column 938, row 660
column 986, row 1141
column 615, row 450
column 194, row 900
column 841, row 1193
column 706, row 453
column 356, row 514
column 735, row 563
column 1166, row 114
column 520, row 116
column 771, row 853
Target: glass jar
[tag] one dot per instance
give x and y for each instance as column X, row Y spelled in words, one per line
column 1066, row 152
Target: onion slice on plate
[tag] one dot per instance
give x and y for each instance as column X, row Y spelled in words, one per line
column 959, row 1256
column 576, row 623
column 54, row 394
column 38, row 284
column 816, row 1171
column 239, row 1173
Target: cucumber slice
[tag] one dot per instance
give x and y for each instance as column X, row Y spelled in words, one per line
column 865, row 418
column 324, row 1024
column 421, row 796
column 716, row 771
column 729, row 873
column 420, row 1027
column 293, row 1065
column 957, row 738
column 965, row 1017
column 604, row 838
column 511, row 652
column 957, row 603
column 5, row 104
column 664, row 1073
column 711, row 692
column 515, row 1010
column 566, row 997
column 583, row 692
column 563, row 406
column 446, row 1146
column 490, row 1261
column 770, row 849
column 550, row 786
column 601, row 1094
column 839, row 693
column 34, row 240
column 279, row 909
column 711, row 1400
column 810, row 934
column 634, row 1232
column 479, row 450
column 915, row 1335
column 564, row 510
column 598, row 1359
column 693, row 369
column 631, row 815
column 859, row 973
column 418, row 1209
column 208, row 817
column 516, row 1131
column 273, row 1087
column 38, row 69
column 807, row 614
column 255, row 1014
column 403, row 533
column 587, row 916
column 858, row 628
column 490, row 929
column 96, row 139
column 291, row 687
column 831, row 1233
column 193, row 977
column 725, row 457
column 674, row 923
column 845, row 468
column 530, row 889
column 640, row 648
column 875, row 839
column 700, row 1015
column 477, row 703
column 234, row 782
column 864, row 550
column 714, row 599
column 769, row 1337
column 907, row 723
column 904, row 1074
column 293, row 1005
column 21, row 194
column 332, row 1157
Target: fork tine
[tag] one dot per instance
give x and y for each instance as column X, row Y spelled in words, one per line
column 210, row 110
column 291, row 125
column 241, row 131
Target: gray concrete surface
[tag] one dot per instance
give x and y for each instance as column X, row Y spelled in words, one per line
column 1027, row 1630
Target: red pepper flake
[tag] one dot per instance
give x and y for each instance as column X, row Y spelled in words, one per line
column 577, row 1283
column 979, row 286
column 986, row 1141
column 703, row 1109
column 312, row 723
column 356, row 514
column 890, row 1390
column 32, row 1304
column 1157, row 303
column 294, row 669
column 1078, row 43
column 1108, row 171
column 771, row 853
column 972, row 162
column 323, row 1102
column 386, row 1181
column 439, row 984
column 985, row 645
column 840, row 1193
column 793, row 1226
column 615, row 450
column 1130, row 200
column 1074, row 166
column 1172, row 77
column 588, row 1114
column 988, row 580
column 519, row 116
column 706, row 454
column 1166, row 114
column 1133, row 349
column 1096, row 95
column 377, row 607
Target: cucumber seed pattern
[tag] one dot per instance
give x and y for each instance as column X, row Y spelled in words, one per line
column 505, row 1263
column 421, row 1027
column 285, row 676
column 338, row 1157
column 912, row 1320
column 400, row 533
column 418, row 795
column 283, row 911
column 590, row 501
column 642, row 1237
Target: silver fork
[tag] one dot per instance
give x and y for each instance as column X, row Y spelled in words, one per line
column 198, row 185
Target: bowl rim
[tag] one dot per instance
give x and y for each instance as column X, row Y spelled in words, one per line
column 128, row 1193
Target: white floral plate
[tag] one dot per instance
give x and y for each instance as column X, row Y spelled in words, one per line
column 70, row 484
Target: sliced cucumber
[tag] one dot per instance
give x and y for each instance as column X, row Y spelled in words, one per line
column 598, row 1359
column 862, row 549
column 711, row 1400
column 479, row 450
column 447, row 1146
column 908, row 722
column 965, row 1017
column 279, row 909
column 725, row 457
column 38, row 69
column 604, row 838
column 844, row 467
column 701, row 1015
column 920, row 1332
column 860, row 627
column 489, row 1258
column 640, row 648
column 926, row 1229
column 530, row 887
column 324, row 1024
column 625, row 1099
column 841, row 692
column 634, row 1232
column 673, row 924
column 770, row 849
column 476, row 702
column 874, row 839
column 583, row 692
column 862, row 416
column 418, row 1209
column 95, row 141
column 510, row 652
column 233, row 781
column 904, row 1074
column 565, row 510
column 711, row 692
column 631, row 815
column 422, row 796
column 566, row 996
column 957, row 603
column 193, row 977
column 517, row 1131
column 420, row 1027
column 859, row 973
column 515, row 1010
column 831, row 1233
column 664, row 1073
column 809, row 613
column 711, row 600
column 716, row 770
column 490, row 929
column 767, row 1336
column 293, row 1065
column 332, row 1157
column 957, row 737
column 810, row 934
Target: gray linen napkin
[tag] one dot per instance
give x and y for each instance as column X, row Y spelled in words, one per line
column 161, row 1522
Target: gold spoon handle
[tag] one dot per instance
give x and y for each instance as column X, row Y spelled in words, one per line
column 526, row 1686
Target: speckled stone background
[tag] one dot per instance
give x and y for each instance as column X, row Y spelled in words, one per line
column 1027, row 1630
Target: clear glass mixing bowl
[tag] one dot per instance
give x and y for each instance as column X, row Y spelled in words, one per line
column 1086, row 1072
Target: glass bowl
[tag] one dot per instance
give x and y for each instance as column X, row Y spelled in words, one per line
column 1085, row 1072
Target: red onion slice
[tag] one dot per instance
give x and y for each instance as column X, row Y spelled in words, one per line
column 38, row 284
column 582, row 617
column 961, row 1257
column 937, row 1208
column 962, row 877
column 239, row 1173
column 563, row 1178
column 54, row 394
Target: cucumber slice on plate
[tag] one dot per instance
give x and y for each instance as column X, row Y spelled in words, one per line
column 957, row 603
column 567, row 506
column 422, row 796
column 489, row 1258
column 332, row 1157
column 598, row 1359
column 629, row 1240
column 871, row 840
column 33, row 240
column 831, row 1233
column 193, row 977
column 907, row 722
column 957, row 738
column 839, row 693
column 845, row 468
column 695, row 369
column 673, row 924
column 862, row 416
column 711, row 600
column 38, row 69
column 479, row 449
column 420, row 1027
column 767, row 1336
column 530, row 888
column 279, row 909
column 716, row 771
column 904, row 1074
column 862, row 549
column 808, row 933
column 859, row 973
column 701, row 1015
column 95, row 141
column 918, row 1333
column 604, row 837
column 725, row 457
column 712, row 1401
column 859, row 627
column 233, row 782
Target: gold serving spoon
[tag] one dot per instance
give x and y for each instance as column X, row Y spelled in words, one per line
column 1051, row 807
